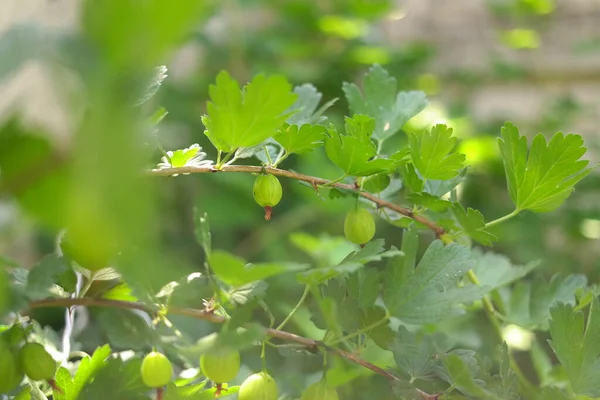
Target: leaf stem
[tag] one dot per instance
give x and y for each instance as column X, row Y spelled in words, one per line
column 88, row 284
column 313, row 180
column 502, row 219
column 362, row 330
column 296, row 307
column 282, row 156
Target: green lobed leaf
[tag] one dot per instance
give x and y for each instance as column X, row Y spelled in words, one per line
column 243, row 294
column 300, row 139
column 575, row 343
column 432, row 153
column 122, row 377
column 376, row 183
column 528, row 303
column 473, row 224
column 41, row 280
column 542, row 179
column 124, row 328
column 373, row 251
column 354, row 151
column 244, row 118
column 305, row 107
column 430, row 294
column 364, row 285
column 417, row 356
column 391, row 110
column 236, row 272
column 495, row 270
column 429, row 201
column 89, row 367
column 462, row 378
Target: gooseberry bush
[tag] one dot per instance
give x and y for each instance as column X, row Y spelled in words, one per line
column 367, row 318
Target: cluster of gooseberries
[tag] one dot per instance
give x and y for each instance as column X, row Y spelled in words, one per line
column 223, row 365
column 359, row 226
column 16, row 362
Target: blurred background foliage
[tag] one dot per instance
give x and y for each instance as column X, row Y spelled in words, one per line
column 329, row 42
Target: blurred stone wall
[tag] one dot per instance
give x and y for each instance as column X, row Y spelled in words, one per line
column 465, row 33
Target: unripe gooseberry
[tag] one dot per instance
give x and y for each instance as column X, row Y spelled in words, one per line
column 156, row 370
column 37, row 363
column 259, row 386
column 267, row 192
column 220, row 366
column 320, row 391
column 11, row 373
column 359, row 226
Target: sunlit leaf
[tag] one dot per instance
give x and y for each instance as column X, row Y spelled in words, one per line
column 541, row 179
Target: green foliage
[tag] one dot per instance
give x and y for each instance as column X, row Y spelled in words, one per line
column 353, row 152
column 390, row 110
column 432, row 154
column 429, row 294
column 70, row 387
column 322, row 309
column 581, row 362
column 244, row 118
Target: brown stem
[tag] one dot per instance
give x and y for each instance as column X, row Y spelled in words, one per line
column 209, row 316
column 438, row 230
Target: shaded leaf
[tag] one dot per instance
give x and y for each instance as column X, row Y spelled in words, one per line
column 236, row 272
column 495, row 270
column 124, row 328
column 122, row 377
column 430, row 294
column 305, row 107
column 418, row 356
column 528, row 303
column 391, row 110
column 41, row 279
column 575, row 343
column 429, row 201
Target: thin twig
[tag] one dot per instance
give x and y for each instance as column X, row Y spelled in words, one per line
column 209, row 316
column 438, row 230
